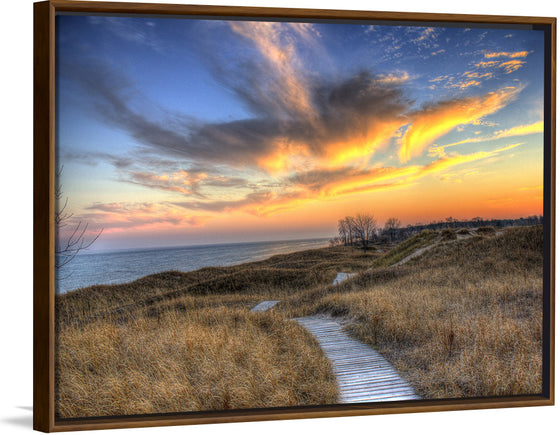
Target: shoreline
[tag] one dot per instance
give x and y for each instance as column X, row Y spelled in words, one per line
column 197, row 246
column 243, row 260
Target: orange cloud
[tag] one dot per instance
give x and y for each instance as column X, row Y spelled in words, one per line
column 335, row 183
column 181, row 182
column 466, row 84
column 373, row 134
column 334, row 123
column 297, row 192
column 434, row 121
column 488, row 64
column 512, row 65
column 477, row 75
column 530, row 188
column 288, row 86
column 279, row 204
column 506, row 54
column 521, row 130
column 285, row 156
column 447, row 162
column 117, row 217
column 375, row 179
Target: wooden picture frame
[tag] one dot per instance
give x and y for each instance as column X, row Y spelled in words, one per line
column 45, row 191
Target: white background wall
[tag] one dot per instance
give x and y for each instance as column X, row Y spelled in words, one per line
column 16, row 244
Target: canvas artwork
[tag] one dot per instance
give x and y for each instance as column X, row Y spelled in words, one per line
column 268, row 213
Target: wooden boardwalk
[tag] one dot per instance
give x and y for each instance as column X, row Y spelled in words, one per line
column 341, row 276
column 264, row 306
column 363, row 375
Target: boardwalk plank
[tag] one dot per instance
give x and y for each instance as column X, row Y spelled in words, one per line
column 264, row 306
column 341, row 276
column 363, row 375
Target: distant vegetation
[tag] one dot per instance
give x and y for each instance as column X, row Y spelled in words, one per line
column 457, row 311
column 351, row 229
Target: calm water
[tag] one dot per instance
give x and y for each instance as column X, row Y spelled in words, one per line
column 123, row 266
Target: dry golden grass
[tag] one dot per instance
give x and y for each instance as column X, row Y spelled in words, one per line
column 206, row 359
column 275, row 277
column 406, row 248
column 175, row 342
column 463, row 320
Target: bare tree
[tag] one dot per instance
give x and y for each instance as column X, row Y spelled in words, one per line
column 391, row 226
column 477, row 220
column 77, row 240
column 365, row 227
column 343, row 233
column 351, row 228
column 346, row 230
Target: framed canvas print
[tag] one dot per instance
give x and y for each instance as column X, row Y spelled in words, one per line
column 253, row 213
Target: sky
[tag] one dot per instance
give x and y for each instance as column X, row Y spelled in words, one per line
column 193, row 131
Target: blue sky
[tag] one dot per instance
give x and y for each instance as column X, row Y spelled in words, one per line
column 182, row 131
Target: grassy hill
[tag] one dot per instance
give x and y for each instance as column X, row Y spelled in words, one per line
column 463, row 319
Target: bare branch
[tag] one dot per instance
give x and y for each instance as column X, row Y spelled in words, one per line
column 77, row 241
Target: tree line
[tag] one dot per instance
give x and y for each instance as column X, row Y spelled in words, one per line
column 362, row 230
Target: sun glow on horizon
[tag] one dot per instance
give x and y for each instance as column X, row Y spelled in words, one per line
column 281, row 129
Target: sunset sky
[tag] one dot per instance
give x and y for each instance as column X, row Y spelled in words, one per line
column 181, row 131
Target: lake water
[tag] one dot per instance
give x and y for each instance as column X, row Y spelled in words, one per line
column 90, row 268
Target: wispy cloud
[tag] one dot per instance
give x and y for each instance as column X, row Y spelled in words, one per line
column 181, row 182
column 511, row 66
column 446, row 162
column 531, row 188
column 435, row 120
column 487, row 64
column 508, row 66
column 120, row 216
column 93, row 158
column 139, row 32
column 520, row 130
column 515, row 54
column 466, row 84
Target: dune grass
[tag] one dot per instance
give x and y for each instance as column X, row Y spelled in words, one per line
column 464, row 319
column 277, row 276
column 406, row 248
column 175, row 342
column 206, row 359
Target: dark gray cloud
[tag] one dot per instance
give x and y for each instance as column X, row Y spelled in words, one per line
column 227, row 182
column 184, row 185
column 108, row 207
column 342, row 111
column 250, row 202
column 188, row 182
column 132, row 221
column 251, row 199
column 93, row 158
column 324, row 180
column 317, row 179
column 121, row 208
